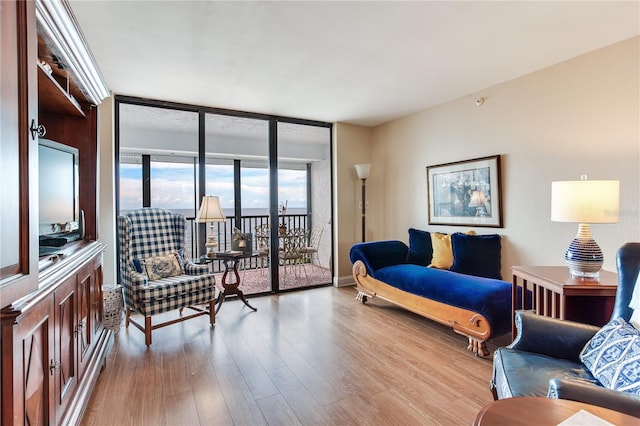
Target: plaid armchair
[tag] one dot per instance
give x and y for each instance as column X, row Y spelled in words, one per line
column 156, row 274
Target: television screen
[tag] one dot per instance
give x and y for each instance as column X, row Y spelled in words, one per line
column 58, row 187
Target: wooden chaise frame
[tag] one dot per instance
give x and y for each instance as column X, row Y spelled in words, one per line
column 468, row 323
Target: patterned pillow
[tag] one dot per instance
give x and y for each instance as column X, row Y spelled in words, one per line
column 613, row 356
column 165, row 266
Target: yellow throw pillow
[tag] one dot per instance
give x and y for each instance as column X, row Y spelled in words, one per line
column 442, row 251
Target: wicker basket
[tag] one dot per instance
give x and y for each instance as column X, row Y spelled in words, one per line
column 113, row 303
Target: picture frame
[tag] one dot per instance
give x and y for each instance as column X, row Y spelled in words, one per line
column 465, row 193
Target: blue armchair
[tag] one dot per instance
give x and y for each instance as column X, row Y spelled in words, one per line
column 544, row 358
column 155, row 272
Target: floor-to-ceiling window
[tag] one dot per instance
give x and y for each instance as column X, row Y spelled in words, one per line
column 271, row 174
column 157, row 153
column 304, row 203
column 242, row 144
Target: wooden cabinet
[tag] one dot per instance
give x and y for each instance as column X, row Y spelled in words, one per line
column 52, row 339
column 51, row 85
column 54, row 344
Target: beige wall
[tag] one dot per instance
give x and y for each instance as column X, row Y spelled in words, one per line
column 351, row 145
column 106, row 188
column 579, row 117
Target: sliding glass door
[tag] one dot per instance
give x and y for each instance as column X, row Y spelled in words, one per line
column 304, row 205
column 272, row 176
column 236, row 156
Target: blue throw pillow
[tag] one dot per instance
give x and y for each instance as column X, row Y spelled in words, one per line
column 420, row 249
column 138, row 265
column 478, row 255
column 613, row 356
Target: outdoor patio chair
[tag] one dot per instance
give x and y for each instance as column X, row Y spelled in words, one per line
column 310, row 251
column 292, row 255
column 262, row 245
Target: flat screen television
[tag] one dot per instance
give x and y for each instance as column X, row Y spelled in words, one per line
column 59, row 213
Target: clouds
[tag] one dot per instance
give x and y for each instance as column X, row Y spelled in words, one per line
column 292, row 186
column 173, row 186
column 130, row 186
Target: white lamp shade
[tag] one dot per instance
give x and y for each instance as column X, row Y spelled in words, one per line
column 585, row 201
column 210, row 210
column 363, row 170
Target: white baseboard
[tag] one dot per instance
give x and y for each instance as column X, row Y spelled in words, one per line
column 343, row 281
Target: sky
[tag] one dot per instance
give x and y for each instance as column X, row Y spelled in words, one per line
column 172, row 186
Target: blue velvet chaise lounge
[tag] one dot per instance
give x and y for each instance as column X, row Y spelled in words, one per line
column 470, row 296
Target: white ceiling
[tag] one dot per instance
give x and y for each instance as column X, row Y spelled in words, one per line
column 359, row 62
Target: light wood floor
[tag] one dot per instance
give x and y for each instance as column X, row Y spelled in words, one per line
column 310, row 357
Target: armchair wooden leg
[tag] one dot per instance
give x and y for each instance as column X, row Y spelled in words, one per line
column 126, row 319
column 212, row 312
column 147, row 330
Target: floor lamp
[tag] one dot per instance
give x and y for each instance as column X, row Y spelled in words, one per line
column 363, row 173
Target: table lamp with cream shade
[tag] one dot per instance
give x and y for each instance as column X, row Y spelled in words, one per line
column 585, row 202
column 210, row 212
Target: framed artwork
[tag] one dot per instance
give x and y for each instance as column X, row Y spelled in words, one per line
column 465, row 193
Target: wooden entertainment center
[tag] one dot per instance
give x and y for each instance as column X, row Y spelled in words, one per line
column 52, row 339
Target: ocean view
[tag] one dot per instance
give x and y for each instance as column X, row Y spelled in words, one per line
column 191, row 213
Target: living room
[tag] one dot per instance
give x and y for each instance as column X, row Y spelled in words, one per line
column 551, row 124
column 576, row 115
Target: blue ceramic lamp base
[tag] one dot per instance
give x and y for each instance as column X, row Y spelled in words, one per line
column 584, row 257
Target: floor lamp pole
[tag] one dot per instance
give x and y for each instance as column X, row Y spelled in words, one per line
column 363, row 173
column 363, row 208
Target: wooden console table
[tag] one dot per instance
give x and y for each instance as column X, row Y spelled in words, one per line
column 556, row 294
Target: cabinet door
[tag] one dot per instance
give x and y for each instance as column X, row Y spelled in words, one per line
column 66, row 328
column 18, row 151
column 34, row 366
column 96, row 296
column 84, row 327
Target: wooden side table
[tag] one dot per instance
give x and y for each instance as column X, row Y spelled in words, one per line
column 556, row 294
column 530, row 410
column 231, row 262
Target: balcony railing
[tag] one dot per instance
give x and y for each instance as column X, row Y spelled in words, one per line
column 224, row 232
